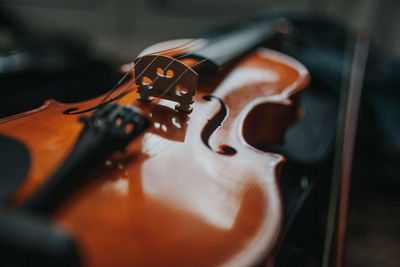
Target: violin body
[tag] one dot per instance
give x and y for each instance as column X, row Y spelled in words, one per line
column 192, row 190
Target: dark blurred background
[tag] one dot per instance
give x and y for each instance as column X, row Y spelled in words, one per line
column 106, row 34
column 120, row 29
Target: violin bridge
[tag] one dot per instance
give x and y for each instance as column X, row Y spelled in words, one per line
column 166, row 78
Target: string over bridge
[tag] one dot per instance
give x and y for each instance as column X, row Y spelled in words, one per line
column 166, row 78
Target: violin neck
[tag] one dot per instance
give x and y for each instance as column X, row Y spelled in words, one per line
column 229, row 44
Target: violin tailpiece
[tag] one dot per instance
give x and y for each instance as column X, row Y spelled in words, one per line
column 165, row 78
column 108, row 129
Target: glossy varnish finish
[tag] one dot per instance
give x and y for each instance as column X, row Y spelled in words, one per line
column 169, row 199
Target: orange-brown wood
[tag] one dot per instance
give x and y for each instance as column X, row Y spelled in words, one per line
column 168, row 199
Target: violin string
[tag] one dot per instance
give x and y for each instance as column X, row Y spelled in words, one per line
column 179, row 77
column 162, row 52
column 169, row 64
column 118, row 84
column 127, row 89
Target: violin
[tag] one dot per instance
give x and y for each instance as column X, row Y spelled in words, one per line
column 164, row 169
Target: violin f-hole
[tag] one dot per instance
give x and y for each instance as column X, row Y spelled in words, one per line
column 213, row 124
